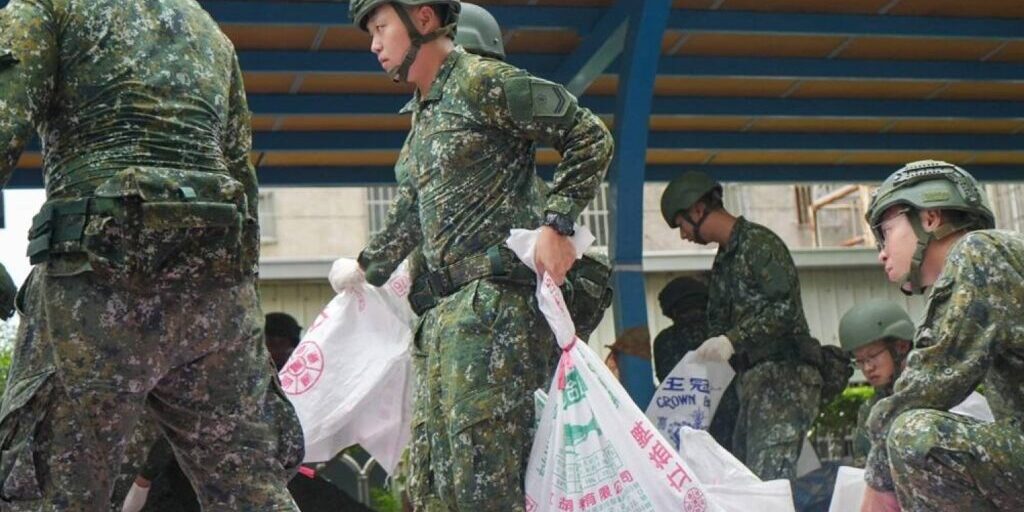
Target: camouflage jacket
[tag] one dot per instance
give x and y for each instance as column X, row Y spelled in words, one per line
column 672, row 343
column 471, row 166
column 754, row 292
column 110, row 84
column 972, row 334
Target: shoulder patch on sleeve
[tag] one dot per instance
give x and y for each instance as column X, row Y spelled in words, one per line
column 7, row 58
column 530, row 98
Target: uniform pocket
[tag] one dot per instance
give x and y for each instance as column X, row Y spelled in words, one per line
column 23, row 410
column 488, row 439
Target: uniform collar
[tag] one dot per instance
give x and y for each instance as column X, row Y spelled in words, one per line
column 734, row 237
column 437, row 86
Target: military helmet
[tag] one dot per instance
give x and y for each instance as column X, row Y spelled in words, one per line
column 934, row 184
column 874, row 320
column 683, row 192
column 683, row 293
column 360, row 10
column 587, row 292
column 479, row 33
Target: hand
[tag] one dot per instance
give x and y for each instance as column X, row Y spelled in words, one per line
column 554, row 254
column 879, row 501
column 718, row 348
column 136, row 498
column 345, row 274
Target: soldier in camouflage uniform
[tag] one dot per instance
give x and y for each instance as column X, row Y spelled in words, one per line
column 877, row 334
column 934, row 230
column 685, row 300
column 754, row 312
column 143, row 294
column 470, row 158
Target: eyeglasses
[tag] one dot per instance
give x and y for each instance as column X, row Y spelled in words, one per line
column 871, row 360
column 883, row 226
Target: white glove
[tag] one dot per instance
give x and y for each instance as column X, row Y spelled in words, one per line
column 136, row 499
column 345, row 274
column 718, row 348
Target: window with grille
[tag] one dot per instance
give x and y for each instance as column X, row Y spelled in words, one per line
column 268, row 219
column 378, row 200
column 595, row 217
column 804, row 200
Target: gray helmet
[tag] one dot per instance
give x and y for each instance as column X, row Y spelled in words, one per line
column 360, row 10
column 683, row 293
column 478, row 32
column 874, row 320
column 930, row 184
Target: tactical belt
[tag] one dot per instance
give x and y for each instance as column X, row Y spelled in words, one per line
column 803, row 349
column 497, row 262
column 60, row 225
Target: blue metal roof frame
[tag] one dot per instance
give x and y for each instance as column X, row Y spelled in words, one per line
column 673, row 111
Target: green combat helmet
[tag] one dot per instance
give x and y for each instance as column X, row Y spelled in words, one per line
column 360, row 10
column 479, row 33
column 874, row 320
column 587, row 292
column 682, row 193
column 930, row 184
column 7, row 294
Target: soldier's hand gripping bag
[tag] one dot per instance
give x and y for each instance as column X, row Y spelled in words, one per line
column 587, row 292
column 161, row 228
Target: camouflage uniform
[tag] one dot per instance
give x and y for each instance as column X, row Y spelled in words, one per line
column 484, row 347
column 754, row 300
column 7, row 292
column 971, row 335
column 144, row 294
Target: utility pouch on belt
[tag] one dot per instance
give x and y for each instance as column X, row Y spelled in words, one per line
column 143, row 222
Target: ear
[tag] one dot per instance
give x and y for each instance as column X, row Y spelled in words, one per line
column 931, row 219
column 698, row 210
column 423, row 14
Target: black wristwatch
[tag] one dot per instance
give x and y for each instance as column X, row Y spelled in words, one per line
column 561, row 223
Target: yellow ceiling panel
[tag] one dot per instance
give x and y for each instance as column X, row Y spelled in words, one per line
column 918, row 48
column 346, row 37
column 345, row 123
column 676, row 156
column 970, row 8
column 983, row 91
column 758, row 45
column 277, row 37
column 263, row 123
column 698, row 123
column 750, row 87
column 997, row 158
column 879, row 89
column 30, row 160
column 768, row 157
column 1002, row 126
column 321, row 158
column 897, row 158
column 817, row 124
column 1012, row 52
column 260, row 82
column 847, row 7
column 335, row 83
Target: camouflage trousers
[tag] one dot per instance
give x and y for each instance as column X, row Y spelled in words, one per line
column 480, row 354
column 944, row 461
column 778, row 404
column 90, row 359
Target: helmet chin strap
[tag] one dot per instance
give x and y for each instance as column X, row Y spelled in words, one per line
column 400, row 73
column 696, row 226
column 924, row 239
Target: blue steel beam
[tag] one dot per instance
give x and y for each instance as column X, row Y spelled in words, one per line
column 690, row 20
column 784, row 173
column 597, row 51
column 850, row 25
column 336, row 14
column 547, row 64
column 636, row 90
column 341, row 104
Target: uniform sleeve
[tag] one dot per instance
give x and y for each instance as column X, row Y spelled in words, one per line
column 399, row 236
column 545, row 112
column 861, row 443
column 964, row 320
column 767, row 289
column 28, row 64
